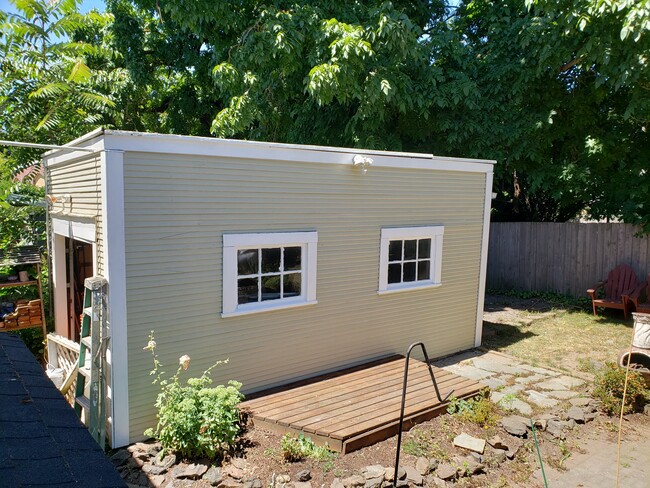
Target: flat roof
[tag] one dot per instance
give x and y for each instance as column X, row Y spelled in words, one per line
column 116, row 140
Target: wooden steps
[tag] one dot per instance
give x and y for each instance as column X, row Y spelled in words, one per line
column 357, row 407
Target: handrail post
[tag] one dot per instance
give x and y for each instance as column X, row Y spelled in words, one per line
column 404, row 385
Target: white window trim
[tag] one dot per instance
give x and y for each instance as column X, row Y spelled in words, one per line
column 233, row 242
column 435, row 233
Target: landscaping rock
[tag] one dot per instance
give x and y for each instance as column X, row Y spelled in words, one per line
column 337, row 483
column 374, row 482
column 576, row 414
column 255, row 483
column 236, row 473
column 120, row 457
column 466, row 441
column 497, row 443
column 424, row 466
column 581, row 401
column 191, row 471
column 515, row 425
column 540, row 399
column 152, row 469
column 646, row 409
column 413, row 476
column 446, row 471
column 282, row 478
column 304, row 475
column 229, row 483
column 165, row 461
column 495, row 457
column 514, row 444
column 374, row 471
column 213, row 476
column 590, row 416
column 307, row 484
column 239, row 463
column 354, row 480
column 157, row 480
column 389, row 474
column 470, row 467
column 556, row 428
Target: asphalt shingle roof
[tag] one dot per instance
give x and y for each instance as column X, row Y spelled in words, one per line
column 42, row 441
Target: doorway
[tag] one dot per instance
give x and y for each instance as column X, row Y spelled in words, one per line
column 79, row 259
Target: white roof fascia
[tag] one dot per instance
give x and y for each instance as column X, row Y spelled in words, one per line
column 269, row 151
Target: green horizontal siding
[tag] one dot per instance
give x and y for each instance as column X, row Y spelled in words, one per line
column 176, row 211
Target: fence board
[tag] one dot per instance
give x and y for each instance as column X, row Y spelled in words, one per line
column 561, row 257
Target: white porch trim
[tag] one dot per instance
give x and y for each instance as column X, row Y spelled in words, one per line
column 484, row 258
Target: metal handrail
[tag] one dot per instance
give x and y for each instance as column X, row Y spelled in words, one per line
column 401, row 415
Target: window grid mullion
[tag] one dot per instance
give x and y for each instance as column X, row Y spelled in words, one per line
column 259, row 274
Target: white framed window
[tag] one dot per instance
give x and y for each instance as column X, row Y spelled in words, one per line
column 268, row 271
column 410, row 258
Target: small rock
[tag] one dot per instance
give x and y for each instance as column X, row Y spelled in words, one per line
column 646, row 409
column 446, row 471
column 580, row 401
column 514, row 444
column 213, row 476
column 239, row 463
column 422, row 466
column 515, row 425
column 389, row 474
column 540, row 424
column 374, row 482
column 374, row 471
column 283, row 478
column 577, row 414
column 470, row 467
column 138, row 447
column 191, row 471
column 556, row 428
column 165, row 461
column 337, row 483
column 496, row 457
column 306, row 484
column 157, row 480
column 235, row 472
column 590, row 416
column 120, row 457
column 497, row 443
column 466, row 441
column 229, row 483
column 477, row 457
column 304, row 475
column 254, row 483
column 354, row 480
column 413, row 476
column 152, row 469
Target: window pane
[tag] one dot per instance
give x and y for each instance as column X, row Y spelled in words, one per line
column 395, row 273
column 395, row 251
column 409, row 249
column 247, row 290
column 409, row 272
column 292, row 285
column 247, row 262
column 292, row 258
column 424, row 248
column 271, row 260
column 270, row 287
column 423, row 270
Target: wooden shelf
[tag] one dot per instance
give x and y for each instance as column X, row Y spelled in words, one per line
column 20, row 327
column 9, row 284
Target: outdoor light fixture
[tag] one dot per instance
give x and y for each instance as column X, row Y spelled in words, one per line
column 363, row 161
column 52, row 199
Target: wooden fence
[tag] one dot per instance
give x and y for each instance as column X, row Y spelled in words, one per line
column 566, row 258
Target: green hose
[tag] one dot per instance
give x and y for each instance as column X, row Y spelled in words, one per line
column 539, row 455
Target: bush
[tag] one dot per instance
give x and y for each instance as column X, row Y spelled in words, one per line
column 608, row 388
column 296, row 449
column 195, row 420
column 479, row 410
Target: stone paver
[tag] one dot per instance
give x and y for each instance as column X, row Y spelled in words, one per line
column 560, row 383
column 538, row 370
column 511, row 403
column 525, row 380
column 494, row 383
column 562, row 394
column 489, row 364
column 540, row 399
column 471, row 372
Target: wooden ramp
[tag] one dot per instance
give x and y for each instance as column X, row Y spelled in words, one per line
column 359, row 406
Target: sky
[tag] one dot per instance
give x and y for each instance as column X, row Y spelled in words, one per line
column 86, row 5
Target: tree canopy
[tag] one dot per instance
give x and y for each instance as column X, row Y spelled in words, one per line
column 555, row 91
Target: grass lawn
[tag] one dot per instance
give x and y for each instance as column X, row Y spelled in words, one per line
column 560, row 333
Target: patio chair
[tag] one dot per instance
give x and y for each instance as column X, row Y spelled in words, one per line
column 620, row 281
column 639, row 299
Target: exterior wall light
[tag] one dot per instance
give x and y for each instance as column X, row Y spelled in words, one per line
column 363, row 161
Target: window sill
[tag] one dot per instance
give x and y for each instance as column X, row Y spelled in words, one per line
column 408, row 288
column 267, row 308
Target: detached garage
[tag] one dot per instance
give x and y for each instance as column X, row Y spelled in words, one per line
column 289, row 260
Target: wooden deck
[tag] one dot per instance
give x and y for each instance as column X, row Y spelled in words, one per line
column 359, row 406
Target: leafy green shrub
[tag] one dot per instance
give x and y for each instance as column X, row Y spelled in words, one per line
column 194, row 420
column 296, row 449
column 608, row 388
column 478, row 410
